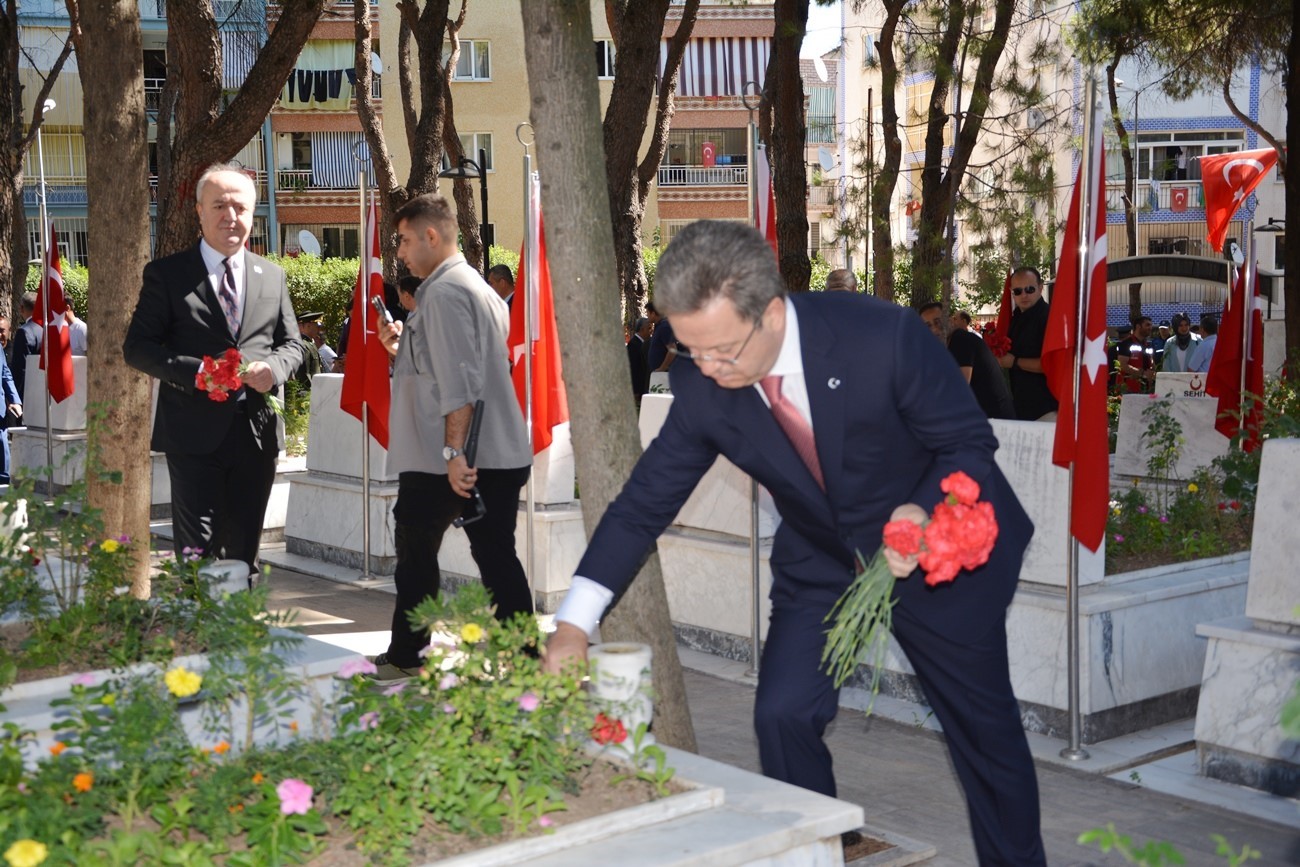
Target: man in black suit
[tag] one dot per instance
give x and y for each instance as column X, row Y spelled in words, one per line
column 201, row 302
column 637, row 349
column 27, row 341
column 883, row 417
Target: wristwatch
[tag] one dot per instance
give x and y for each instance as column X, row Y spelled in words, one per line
column 450, row 453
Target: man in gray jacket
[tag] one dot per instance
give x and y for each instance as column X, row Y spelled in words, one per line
column 450, row 353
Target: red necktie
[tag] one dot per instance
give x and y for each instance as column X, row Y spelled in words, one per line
column 796, row 427
column 229, row 302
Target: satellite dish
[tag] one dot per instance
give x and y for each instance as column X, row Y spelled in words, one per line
column 820, row 66
column 376, row 65
column 1234, row 253
column 308, row 242
column 826, row 159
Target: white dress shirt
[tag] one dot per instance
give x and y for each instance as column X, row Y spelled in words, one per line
column 213, row 260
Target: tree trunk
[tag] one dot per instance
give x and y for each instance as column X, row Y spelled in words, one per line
column 637, row 27
column 205, row 133
column 565, row 111
column 13, row 252
column 112, row 74
column 782, row 122
column 1291, row 279
column 882, row 187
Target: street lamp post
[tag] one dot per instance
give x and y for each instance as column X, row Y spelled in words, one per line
column 468, row 169
column 46, row 107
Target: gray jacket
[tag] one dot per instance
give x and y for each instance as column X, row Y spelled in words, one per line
column 453, row 353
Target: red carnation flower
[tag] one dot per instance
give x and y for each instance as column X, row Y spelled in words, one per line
column 961, row 488
column 608, row 731
column 903, row 536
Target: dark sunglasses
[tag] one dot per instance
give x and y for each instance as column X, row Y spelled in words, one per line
column 1028, row 290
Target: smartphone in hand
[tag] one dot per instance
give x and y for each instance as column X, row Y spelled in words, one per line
column 384, row 315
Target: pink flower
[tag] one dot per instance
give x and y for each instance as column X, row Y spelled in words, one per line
column 357, row 665
column 1119, row 540
column 86, row 679
column 545, row 821
column 22, row 788
column 448, row 681
column 449, row 708
column 529, row 702
column 369, row 720
column 295, row 797
column 396, row 688
column 124, row 539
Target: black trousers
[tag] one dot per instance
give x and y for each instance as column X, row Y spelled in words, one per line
column 426, row 506
column 219, row 499
column 968, row 685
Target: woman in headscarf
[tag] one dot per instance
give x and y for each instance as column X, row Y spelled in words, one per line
column 1178, row 349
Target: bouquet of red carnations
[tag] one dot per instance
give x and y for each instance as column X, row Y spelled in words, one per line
column 222, row 376
column 959, row 535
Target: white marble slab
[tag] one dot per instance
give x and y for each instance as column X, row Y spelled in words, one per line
column 334, row 443
column 324, row 518
column 553, row 470
column 721, row 501
column 1275, row 546
column 1202, row 443
column 1249, row 675
column 1025, row 457
column 1180, row 385
column 710, row 582
column 67, row 415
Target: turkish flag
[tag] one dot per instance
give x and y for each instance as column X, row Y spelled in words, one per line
column 50, row 307
column 1081, row 431
column 365, row 376
column 1178, row 199
column 550, row 402
column 710, row 154
column 1228, row 179
column 1239, row 412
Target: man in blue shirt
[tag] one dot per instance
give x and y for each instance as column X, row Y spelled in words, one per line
column 1200, row 360
column 13, row 409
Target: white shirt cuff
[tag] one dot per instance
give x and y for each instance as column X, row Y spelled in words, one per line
column 584, row 603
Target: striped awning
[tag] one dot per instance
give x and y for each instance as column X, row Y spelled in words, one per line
column 238, row 54
column 720, row 66
column 334, row 160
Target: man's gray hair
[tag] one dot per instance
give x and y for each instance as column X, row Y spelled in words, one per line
column 717, row 259
column 216, row 169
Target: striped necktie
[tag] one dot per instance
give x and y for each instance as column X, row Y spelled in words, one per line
column 229, row 300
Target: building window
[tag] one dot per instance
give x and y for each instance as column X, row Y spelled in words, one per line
column 1279, row 251
column 472, row 143
column 868, row 48
column 475, row 61
column 300, row 144
column 686, row 147
column 604, row 58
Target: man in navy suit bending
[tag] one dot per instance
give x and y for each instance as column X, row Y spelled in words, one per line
column 202, row 301
column 884, row 415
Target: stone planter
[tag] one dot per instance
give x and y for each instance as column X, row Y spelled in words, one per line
column 730, row 817
column 28, row 705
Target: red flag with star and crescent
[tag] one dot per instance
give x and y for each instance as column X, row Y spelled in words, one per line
column 1081, row 429
column 1228, row 180
column 1242, row 330
column 365, row 376
column 50, row 307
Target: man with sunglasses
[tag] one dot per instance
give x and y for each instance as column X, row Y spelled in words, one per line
column 1029, row 389
column 845, row 439
column 449, row 354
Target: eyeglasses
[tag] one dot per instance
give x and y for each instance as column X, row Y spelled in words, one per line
column 704, row 358
column 1028, row 290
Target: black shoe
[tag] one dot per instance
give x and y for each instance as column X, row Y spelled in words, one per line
column 388, row 672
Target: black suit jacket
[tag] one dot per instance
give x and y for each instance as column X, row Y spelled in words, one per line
column 179, row 319
column 892, row 417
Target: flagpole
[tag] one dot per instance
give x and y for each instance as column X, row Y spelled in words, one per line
column 1074, row 751
column 45, row 303
column 755, row 616
column 364, row 286
column 531, row 280
column 1247, row 326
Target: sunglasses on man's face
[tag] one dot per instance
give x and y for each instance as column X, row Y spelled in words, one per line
column 1028, row 290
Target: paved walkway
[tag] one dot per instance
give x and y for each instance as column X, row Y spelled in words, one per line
column 896, row 766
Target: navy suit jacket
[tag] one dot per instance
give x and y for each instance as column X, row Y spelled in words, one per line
column 892, row 417
column 179, row 319
column 8, row 389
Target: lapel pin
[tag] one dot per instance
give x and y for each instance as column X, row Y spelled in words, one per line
column 833, row 382
column 257, row 269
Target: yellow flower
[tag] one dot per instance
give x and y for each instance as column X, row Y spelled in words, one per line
column 472, row 633
column 83, row 781
column 26, row 853
column 1192, row 488
column 109, row 699
column 182, row 683
column 109, row 546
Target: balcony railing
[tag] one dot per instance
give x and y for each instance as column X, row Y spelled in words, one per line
column 821, row 129
column 58, row 191
column 698, row 176
column 821, row 196
column 1164, row 200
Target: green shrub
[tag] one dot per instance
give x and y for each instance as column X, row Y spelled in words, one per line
column 323, row 285
column 76, row 280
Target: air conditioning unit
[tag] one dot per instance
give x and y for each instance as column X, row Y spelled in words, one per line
column 1034, row 118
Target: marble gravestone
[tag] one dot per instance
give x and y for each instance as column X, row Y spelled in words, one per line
column 1252, row 662
column 1184, row 395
